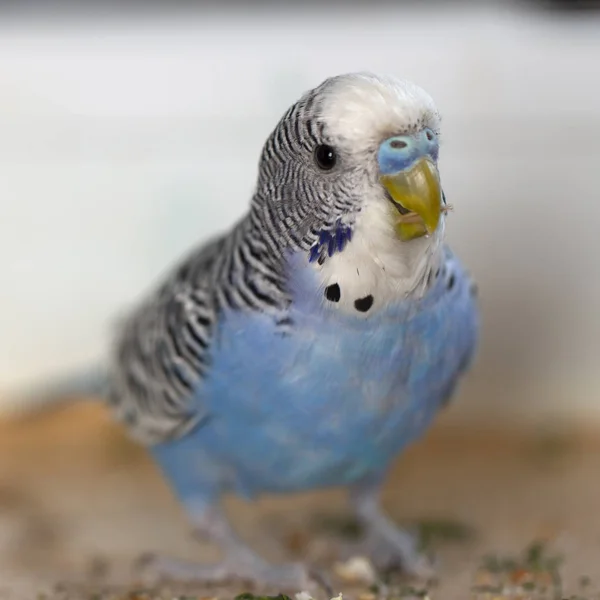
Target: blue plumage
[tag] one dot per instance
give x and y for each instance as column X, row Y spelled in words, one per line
column 328, row 404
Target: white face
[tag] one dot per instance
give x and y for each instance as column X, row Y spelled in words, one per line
column 377, row 268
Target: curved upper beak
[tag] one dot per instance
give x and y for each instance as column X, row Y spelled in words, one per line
column 417, row 193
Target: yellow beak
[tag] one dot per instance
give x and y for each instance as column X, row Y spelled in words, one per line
column 417, row 193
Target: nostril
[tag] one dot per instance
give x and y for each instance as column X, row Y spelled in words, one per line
column 398, row 144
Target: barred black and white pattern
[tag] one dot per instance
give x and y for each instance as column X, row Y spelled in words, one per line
column 164, row 348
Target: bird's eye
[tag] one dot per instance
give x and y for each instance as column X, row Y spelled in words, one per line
column 325, row 157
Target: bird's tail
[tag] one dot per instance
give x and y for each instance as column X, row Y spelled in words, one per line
column 91, row 383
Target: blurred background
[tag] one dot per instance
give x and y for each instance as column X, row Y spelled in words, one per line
column 126, row 136
column 129, row 134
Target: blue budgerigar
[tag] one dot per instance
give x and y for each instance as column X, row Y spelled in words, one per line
column 310, row 344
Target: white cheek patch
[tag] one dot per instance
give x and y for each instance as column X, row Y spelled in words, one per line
column 376, row 269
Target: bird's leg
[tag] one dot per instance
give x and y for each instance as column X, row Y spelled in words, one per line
column 195, row 479
column 239, row 561
column 386, row 544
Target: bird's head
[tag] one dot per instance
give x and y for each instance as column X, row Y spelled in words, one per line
column 356, row 157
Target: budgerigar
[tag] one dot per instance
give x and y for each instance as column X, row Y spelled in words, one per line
column 310, row 344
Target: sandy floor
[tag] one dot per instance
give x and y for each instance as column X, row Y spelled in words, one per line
column 78, row 504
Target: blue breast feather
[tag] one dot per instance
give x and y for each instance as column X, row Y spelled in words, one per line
column 331, row 402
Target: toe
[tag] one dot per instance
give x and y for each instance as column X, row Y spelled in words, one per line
column 419, row 566
column 294, row 576
column 397, row 550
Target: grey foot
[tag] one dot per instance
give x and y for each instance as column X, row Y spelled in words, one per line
column 399, row 549
column 292, row 576
column 385, row 543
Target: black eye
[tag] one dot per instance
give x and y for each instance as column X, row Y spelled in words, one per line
column 325, row 157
